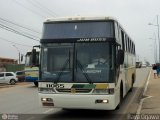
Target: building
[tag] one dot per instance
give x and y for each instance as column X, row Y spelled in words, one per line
column 5, row 61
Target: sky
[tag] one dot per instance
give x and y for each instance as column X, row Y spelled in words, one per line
column 133, row 15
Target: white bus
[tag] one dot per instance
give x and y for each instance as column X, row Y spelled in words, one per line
column 86, row 63
column 32, row 66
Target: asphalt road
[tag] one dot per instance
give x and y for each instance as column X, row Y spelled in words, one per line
column 21, row 102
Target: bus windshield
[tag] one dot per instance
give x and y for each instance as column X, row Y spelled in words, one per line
column 77, row 62
column 28, row 60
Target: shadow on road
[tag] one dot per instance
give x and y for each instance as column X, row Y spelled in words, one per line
column 32, row 86
column 4, row 85
column 82, row 115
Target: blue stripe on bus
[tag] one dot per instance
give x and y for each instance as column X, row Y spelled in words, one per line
column 31, row 79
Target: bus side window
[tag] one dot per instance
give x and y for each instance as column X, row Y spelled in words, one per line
column 122, row 36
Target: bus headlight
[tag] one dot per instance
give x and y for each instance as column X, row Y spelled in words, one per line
column 47, row 101
column 104, row 91
column 102, row 101
column 46, row 90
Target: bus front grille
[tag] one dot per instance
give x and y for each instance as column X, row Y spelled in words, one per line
column 70, row 90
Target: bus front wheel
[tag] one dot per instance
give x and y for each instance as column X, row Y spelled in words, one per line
column 36, row 84
column 131, row 89
column 120, row 96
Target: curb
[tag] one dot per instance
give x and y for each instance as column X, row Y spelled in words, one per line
column 145, row 89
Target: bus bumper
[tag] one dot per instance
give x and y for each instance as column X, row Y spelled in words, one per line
column 73, row 101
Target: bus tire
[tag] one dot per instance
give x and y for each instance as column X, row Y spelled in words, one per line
column 131, row 89
column 36, row 84
column 120, row 96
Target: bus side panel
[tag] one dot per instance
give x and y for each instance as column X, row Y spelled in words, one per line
column 131, row 69
column 125, row 72
column 31, row 74
column 117, row 88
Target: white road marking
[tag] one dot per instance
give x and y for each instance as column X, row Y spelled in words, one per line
column 49, row 110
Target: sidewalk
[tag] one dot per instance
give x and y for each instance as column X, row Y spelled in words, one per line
column 151, row 103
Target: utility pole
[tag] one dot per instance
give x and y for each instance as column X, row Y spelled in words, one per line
column 19, row 54
column 157, row 25
column 155, row 48
column 158, row 38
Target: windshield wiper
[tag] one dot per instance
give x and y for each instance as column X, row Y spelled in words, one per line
column 61, row 71
column 85, row 74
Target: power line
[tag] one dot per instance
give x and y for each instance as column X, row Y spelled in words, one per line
column 17, row 32
column 20, row 4
column 45, row 8
column 19, row 25
column 10, row 24
column 40, row 7
column 11, row 27
column 14, row 42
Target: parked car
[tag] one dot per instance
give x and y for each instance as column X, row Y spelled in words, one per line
column 138, row 64
column 8, row 77
column 20, row 76
column 144, row 65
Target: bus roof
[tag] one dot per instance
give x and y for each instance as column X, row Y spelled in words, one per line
column 83, row 18
column 30, row 50
column 79, row 18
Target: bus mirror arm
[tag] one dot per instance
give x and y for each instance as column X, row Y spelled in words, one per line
column 120, row 57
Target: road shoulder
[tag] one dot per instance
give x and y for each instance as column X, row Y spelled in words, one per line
column 151, row 97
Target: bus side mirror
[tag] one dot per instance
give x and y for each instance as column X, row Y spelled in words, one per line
column 34, row 57
column 21, row 57
column 120, row 57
